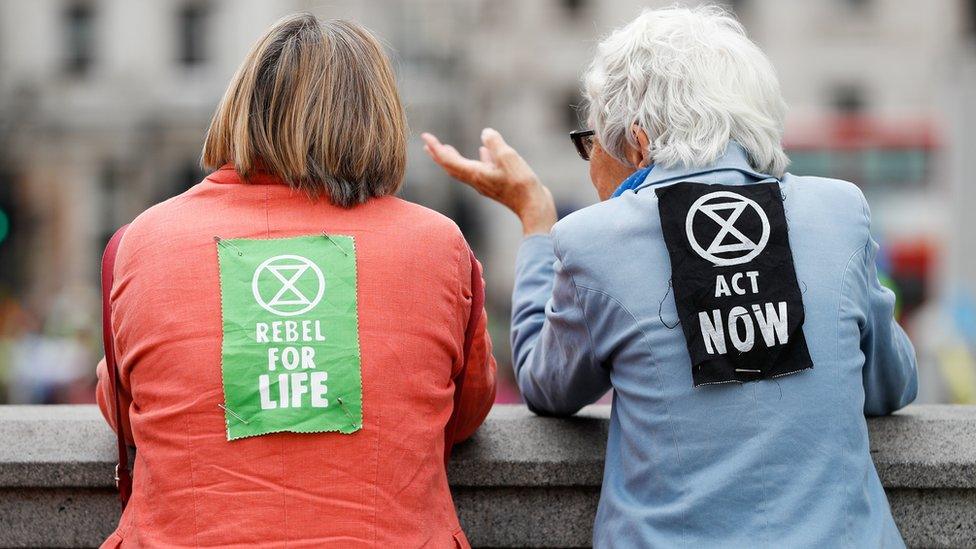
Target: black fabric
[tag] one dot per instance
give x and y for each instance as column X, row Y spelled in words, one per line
column 734, row 283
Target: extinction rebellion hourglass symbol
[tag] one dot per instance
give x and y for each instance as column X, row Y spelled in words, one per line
column 295, row 285
column 729, row 238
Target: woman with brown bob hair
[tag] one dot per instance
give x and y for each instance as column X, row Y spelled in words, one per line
column 291, row 340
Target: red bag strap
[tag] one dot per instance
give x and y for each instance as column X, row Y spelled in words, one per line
column 474, row 318
column 123, row 479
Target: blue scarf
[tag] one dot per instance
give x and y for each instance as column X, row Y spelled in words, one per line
column 631, row 183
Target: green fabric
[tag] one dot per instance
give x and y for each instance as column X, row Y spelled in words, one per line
column 290, row 353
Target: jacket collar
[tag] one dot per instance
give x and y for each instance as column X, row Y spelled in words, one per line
column 734, row 158
column 228, row 174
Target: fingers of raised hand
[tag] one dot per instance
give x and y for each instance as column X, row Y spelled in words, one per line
column 496, row 145
column 450, row 159
column 485, row 155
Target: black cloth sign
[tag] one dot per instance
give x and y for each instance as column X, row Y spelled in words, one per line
column 734, row 283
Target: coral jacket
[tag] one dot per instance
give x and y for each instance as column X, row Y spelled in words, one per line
column 384, row 484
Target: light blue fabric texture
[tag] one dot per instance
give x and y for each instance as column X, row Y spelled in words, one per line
column 775, row 463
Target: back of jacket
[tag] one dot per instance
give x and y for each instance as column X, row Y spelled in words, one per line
column 234, row 382
column 781, row 462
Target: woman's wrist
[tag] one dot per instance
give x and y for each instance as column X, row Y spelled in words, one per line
column 538, row 214
column 537, row 227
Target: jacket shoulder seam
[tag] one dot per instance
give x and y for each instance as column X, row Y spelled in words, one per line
column 579, row 302
column 650, row 351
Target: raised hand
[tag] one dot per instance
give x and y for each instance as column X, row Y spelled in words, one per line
column 501, row 175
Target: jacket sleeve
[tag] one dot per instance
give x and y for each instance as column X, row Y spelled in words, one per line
column 553, row 353
column 478, row 386
column 104, row 395
column 890, row 372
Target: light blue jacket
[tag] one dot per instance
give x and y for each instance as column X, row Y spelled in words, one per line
column 777, row 463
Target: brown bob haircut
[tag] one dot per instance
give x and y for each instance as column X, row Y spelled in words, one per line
column 316, row 104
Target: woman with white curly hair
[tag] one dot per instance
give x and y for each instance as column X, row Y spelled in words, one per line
column 733, row 308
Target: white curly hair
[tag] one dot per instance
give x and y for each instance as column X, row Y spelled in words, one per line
column 692, row 79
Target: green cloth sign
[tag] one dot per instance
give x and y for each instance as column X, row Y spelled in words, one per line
column 290, row 353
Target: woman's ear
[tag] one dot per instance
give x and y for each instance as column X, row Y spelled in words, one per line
column 643, row 156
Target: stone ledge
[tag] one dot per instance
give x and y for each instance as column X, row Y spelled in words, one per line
column 521, row 481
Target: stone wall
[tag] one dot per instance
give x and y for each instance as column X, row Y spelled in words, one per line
column 522, row 481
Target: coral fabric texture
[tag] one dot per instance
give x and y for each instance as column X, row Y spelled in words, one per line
column 382, row 486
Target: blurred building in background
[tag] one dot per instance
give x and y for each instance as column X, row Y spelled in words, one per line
column 104, row 105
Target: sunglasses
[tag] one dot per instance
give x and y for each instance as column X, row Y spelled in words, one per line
column 583, row 140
